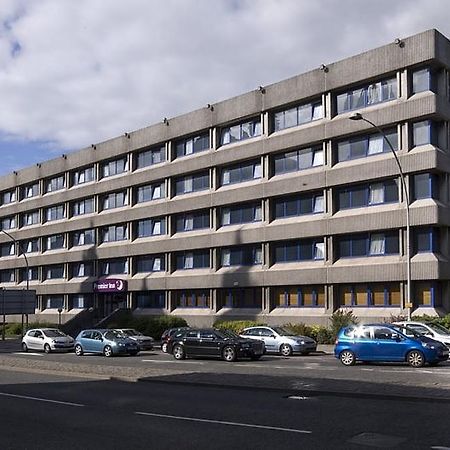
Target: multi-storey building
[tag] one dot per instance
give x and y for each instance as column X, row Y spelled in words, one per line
column 270, row 205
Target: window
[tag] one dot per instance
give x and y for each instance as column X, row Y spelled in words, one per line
column 30, row 218
column 53, row 272
column 362, row 147
column 298, row 160
column 150, row 299
column 114, row 266
column 55, row 213
column 192, row 183
column 7, row 276
column 53, row 301
column 426, row 186
column 8, row 223
column 82, row 176
column 8, row 197
column 30, row 190
column 421, row 80
column 7, row 249
column 241, row 214
column 150, row 192
column 424, row 132
column 115, row 167
column 151, row 156
column 298, row 250
column 241, row 172
column 426, row 240
column 31, row 245
column 192, row 221
column 372, row 94
column 298, row 205
column 151, row 227
column 114, row 233
column 115, row 200
column 55, row 184
column 427, row 293
column 297, row 115
column 370, row 295
column 150, row 263
column 81, row 269
column 54, row 242
column 80, row 301
column 241, row 131
column 83, row 237
column 241, row 256
column 31, row 273
column 369, row 244
column 81, row 207
column 240, row 298
column 367, row 195
column 192, row 145
column 298, row 296
column 192, row 299
column 197, row 259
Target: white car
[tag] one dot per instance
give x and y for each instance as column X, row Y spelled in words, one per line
column 432, row 330
column 47, row 340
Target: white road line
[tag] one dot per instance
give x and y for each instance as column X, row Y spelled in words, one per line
column 221, row 422
column 25, row 397
column 172, row 362
column 27, row 354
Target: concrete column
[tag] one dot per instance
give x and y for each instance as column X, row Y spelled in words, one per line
column 326, row 105
column 169, row 151
column 214, row 218
column 265, row 123
column 170, row 301
column 328, row 153
column 213, row 298
column 213, row 138
column 266, row 211
column 214, row 255
column 404, row 88
column 331, row 300
column 266, row 255
column 265, row 165
column 266, row 300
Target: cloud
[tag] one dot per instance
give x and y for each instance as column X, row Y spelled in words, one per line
column 74, row 73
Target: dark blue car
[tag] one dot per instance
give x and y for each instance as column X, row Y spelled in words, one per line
column 383, row 342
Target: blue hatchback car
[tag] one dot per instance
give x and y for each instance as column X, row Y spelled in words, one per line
column 383, row 342
column 106, row 342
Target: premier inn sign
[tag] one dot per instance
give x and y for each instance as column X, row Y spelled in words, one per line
column 110, row 285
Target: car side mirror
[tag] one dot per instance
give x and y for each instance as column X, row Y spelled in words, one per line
column 272, row 336
column 41, row 337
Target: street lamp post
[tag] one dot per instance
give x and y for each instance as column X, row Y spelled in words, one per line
column 408, row 305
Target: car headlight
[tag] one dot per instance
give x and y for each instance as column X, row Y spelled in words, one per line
column 302, row 342
column 121, row 344
column 53, row 341
column 426, row 345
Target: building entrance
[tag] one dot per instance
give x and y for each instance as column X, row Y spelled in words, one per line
column 110, row 302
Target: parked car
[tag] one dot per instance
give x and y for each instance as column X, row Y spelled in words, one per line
column 279, row 340
column 47, row 339
column 214, row 343
column 168, row 335
column 432, row 330
column 144, row 342
column 382, row 342
column 106, row 342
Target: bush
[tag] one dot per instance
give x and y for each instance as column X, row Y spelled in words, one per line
column 299, row 329
column 339, row 319
column 236, row 325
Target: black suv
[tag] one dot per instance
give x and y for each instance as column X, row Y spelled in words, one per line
column 214, row 343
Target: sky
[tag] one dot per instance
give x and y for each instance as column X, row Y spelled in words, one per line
column 78, row 72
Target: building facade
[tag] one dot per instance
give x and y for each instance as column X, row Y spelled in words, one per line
column 270, row 205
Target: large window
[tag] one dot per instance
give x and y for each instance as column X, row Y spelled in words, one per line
column 151, row 227
column 7, row 276
column 427, row 293
column 426, row 186
column 192, row 183
column 298, row 205
column 426, row 240
column 54, row 242
column 56, row 212
column 8, row 197
column 31, row 245
column 362, row 147
column 150, row 192
column 30, row 218
column 114, row 266
column 30, row 190
column 196, row 259
column 368, row 244
column 195, row 298
column 82, row 176
column 53, row 272
column 114, row 233
column 115, row 200
column 298, row 250
column 151, row 156
column 372, row 94
column 80, row 301
column 241, row 131
column 241, row 256
column 55, row 184
column 237, row 214
column 368, row 194
column 150, row 299
column 53, row 301
column 421, row 81
column 150, row 263
column 250, row 170
column 424, row 132
column 240, row 298
column 31, row 273
column 8, row 223
column 192, row 144
column 83, row 237
column 7, row 249
column 298, row 160
column 197, row 220
column 297, row 115
column 369, row 295
column 115, row 167
column 298, row 296
column 85, row 206
column 82, row 269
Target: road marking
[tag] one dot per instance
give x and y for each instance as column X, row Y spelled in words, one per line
column 27, row 353
column 172, row 362
column 221, row 422
column 25, row 397
column 298, row 397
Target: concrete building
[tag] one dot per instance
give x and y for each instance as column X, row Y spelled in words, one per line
column 270, row 205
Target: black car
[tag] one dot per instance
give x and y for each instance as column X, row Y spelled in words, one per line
column 214, row 343
column 170, row 334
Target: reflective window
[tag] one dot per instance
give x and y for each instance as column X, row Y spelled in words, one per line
column 298, row 250
column 151, row 156
column 298, row 205
column 114, row 167
column 55, row 184
column 241, row 131
column 8, row 197
column 250, row 170
column 370, row 295
column 114, row 266
column 150, row 299
column 426, row 240
column 7, row 249
column 298, row 160
column 424, row 132
column 421, row 80
column 237, row 214
column 192, row 183
column 83, row 237
column 54, row 271
column 31, row 245
column 195, row 298
column 30, row 218
column 192, row 145
column 241, row 256
column 368, row 244
column 8, row 223
column 298, row 296
column 30, row 190
column 196, row 259
column 31, row 273
column 150, row 192
column 115, row 200
column 426, row 186
column 56, row 212
column 151, row 227
column 85, row 206
column 150, row 263
column 114, row 233
column 197, row 220
column 81, row 269
column 297, row 115
column 54, row 242
column 82, row 176
column 53, row 301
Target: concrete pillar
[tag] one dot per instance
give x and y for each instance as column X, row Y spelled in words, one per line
column 265, row 123
column 170, row 301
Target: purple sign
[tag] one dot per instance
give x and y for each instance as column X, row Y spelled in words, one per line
column 110, row 285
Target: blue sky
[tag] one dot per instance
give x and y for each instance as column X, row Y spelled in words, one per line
column 78, row 72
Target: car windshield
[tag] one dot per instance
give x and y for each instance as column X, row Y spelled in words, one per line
column 226, row 334
column 114, row 334
column 439, row 328
column 54, row 333
column 282, row 331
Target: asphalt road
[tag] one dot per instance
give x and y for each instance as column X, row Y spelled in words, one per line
column 50, row 412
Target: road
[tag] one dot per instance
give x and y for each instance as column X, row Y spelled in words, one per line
column 54, row 412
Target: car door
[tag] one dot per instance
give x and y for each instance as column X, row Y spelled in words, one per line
column 209, row 344
column 97, row 342
column 86, row 341
column 31, row 340
column 191, row 343
column 38, row 340
column 270, row 339
column 389, row 345
column 362, row 343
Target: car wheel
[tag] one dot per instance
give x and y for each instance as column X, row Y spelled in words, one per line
column 286, row 350
column 347, row 358
column 164, row 347
column 78, row 350
column 24, row 347
column 178, row 352
column 47, row 348
column 229, row 354
column 107, row 351
column 415, row 358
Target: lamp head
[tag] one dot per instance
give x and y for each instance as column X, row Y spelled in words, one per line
column 356, row 116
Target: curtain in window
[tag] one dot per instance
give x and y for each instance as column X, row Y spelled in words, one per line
column 225, row 176
column 374, row 93
column 188, row 223
column 235, row 133
column 188, row 184
column 188, row 261
column 225, row 136
column 258, row 256
column 156, row 192
column 319, row 250
column 278, row 121
column 377, row 244
column 317, row 111
column 375, row 145
column 156, row 227
column 226, row 216
column 157, row 264
column 226, row 257
column 257, row 170
column 376, row 193
column 318, row 204
column 318, row 158
column 258, row 213
column 257, row 128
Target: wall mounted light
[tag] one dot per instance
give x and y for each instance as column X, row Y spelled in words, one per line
column 127, row 135
column 399, row 42
column 64, row 156
column 14, row 172
column 210, row 107
column 166, row 121
column 262, row 89
column 93, row 146
column 38, row 164
column 324, row 68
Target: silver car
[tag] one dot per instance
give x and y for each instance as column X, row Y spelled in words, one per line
column 47, row 340
column 279, row 340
